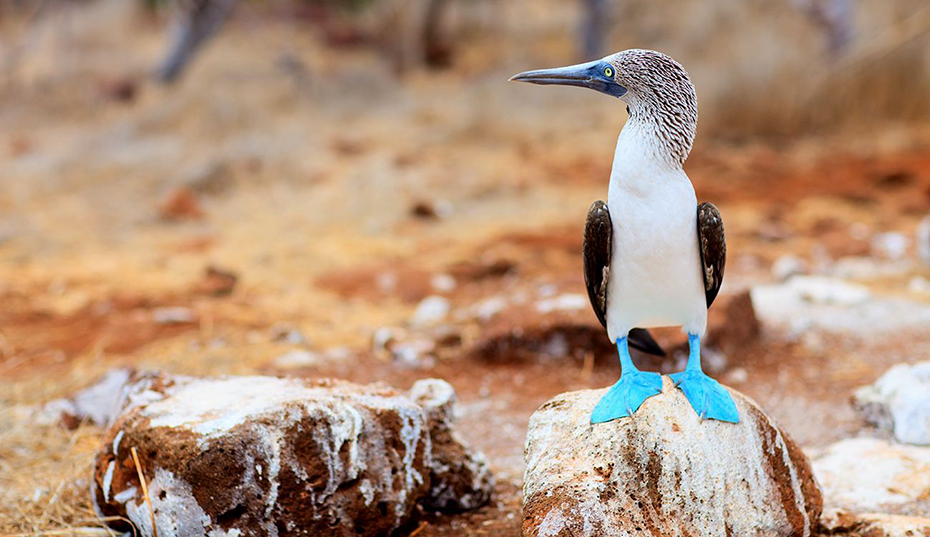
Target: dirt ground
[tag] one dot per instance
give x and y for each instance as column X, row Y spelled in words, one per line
column 270, row 204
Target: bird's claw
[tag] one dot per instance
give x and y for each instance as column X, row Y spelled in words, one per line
column 708, row 398
column 625, row 397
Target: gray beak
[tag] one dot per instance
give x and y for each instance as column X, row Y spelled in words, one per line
column 584, row 75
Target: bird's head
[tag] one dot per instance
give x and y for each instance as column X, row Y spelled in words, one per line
column 655, row 87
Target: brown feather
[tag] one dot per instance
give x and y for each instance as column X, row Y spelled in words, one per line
column 713, row 249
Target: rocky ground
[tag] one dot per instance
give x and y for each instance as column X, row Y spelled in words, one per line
column 325, row 220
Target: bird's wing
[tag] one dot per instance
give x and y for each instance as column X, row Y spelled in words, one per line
column 598, row 233
column 596, row 253
column 713, row 245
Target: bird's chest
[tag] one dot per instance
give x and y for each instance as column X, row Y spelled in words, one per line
column 654, row 225
column 655, row 274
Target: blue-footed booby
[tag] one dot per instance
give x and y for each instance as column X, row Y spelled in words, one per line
column 652, row 256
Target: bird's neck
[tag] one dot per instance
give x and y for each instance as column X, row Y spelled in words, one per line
column 645, row 158
column 666, row 131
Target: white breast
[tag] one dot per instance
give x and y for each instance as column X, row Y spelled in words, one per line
column 655, row 273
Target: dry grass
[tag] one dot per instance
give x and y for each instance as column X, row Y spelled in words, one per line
column 44, row 477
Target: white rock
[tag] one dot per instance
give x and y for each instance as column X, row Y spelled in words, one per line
column 864, row 474
column 919, row 284
column 900, row 401
column 663, row 472
column 816, row 302
column 96, row 404
column 787, row 266
column 869, row 268
column 431, row 310
column 442, row 283
column 490, row 307
column 824, row 290
column 892, row 245
column 174, row 315
column 297, row 359
column 923, row 240
column 842, row 523
column 565, row 301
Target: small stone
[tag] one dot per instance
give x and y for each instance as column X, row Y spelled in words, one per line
column 460, row 476
column 787, row 266
column 663, row 472
column 287, row 334
column 120, row 89
column 442, row 283
column 867, row 474
column 923, row 240
column 824, row 290
column 208, row 178
column 97, row 404
column 383, row 339
column 174, row 315
column 919, row 284
column 489, row 307
column 732, row 324
column 181, row 204
column 899, row 401
column 431, row 310
column 892, row 245
column 218, row 282
column 738, row 375
column 843, row 523
column 414, row 354
column 565, row 301
column 297, row 359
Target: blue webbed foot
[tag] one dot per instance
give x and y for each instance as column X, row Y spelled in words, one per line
column 707, row 397
column 626, row 396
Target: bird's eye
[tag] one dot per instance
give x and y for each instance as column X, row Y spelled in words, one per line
column 608, row 71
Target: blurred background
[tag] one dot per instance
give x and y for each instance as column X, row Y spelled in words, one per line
column 352, row 188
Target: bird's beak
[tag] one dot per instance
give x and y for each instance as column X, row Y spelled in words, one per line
column 584, row 75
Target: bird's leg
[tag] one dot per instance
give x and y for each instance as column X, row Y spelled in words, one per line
column 707, row 397
column 629, row 392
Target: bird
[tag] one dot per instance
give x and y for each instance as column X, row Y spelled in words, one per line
column 652, row 256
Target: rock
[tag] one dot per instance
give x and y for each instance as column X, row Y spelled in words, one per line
column 120, row 89
column 296, row 359
column 181, row 204
column 431, row 310
column 923, row 240
column 841, row 523
column 96, row 404
column 174, row 315
column 919, row 284
column 663, row 472
column 565, row 301
column 824, row 290
column 899, row 401
column 209, row 178
column 460, row 478
column 264, row 456
column 732, row 324
column 442, row 283
column 787, row 266
column 217, row 282
column 833, row 305
column 865, row 474
column 892, row 245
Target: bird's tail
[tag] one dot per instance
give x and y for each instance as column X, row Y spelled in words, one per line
column 641, row 340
